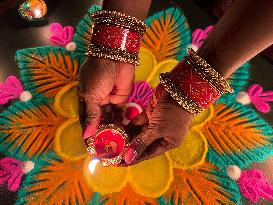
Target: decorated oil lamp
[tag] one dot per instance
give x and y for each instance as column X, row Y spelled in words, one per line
column 32, row 10
column 108, row 144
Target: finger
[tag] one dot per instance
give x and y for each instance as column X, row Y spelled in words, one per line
column 105, row 101
column 149, row 110
column 135, row 127
column 140, row 120
column 81, row 108
column 118, row 110
column 157, row 148
column 139, row 145
column 107, row 114
column 92, row 117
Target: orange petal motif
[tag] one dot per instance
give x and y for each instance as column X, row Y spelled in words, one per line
column 229, row 132
column 47, row 69
column 167, row 35
column 29, row 128
column 128, row 196
column 198, row 186
column 58, row 182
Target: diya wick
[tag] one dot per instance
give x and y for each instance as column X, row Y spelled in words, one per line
column 108, row 144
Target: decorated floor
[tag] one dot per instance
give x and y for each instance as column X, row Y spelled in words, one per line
column 45, row 161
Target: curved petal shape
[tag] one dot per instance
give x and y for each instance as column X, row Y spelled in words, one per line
column 205, row 184
column 83, row 33
column 56, row 40
column 162, row 67
column 57, row 68
column 255, row 90
column 128, row 196
column 28, row 128
column 260, row 98
column 199, row 35
column 237, row 135
column 254, row 185
column 141, row 93
column 10, row 89
column 55, row 181
column 267, row 96
column 68, row 142
column 61, row 35
column 146, row 66
column 55, row 28
column 205, row 116
column 11, row 173
column 105, row 180
column 168, row 34
column 152, row 177
column 66, row 100
column 261, row 105
column 191, row 153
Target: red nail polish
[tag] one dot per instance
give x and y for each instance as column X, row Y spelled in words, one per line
column 130, row 155
column 87, row 132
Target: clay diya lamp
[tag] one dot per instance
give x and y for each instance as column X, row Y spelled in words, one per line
column 108, row 144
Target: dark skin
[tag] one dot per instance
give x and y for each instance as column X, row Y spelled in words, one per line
column 111, row 81
column 233, row 41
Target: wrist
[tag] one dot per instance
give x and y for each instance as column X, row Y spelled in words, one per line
column 136, row 8
column 213, row 55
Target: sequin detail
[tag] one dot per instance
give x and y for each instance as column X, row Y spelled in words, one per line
column 193, row 85
column 112, row 36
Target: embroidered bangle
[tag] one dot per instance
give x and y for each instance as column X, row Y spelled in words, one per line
column 208, row 73
column 178, row 95
column 185, row 78
column 116, row 36
column 194, row 84
column 119, row 19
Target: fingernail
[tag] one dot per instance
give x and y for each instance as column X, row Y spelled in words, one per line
column 130, row 155
column 88, row 132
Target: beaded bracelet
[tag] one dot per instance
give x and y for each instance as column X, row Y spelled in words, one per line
column 116, row 36
column 194, row 84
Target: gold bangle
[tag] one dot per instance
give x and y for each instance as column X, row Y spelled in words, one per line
column 119, row 19
column 179, row 96
column 208, row 73
column 114, row 54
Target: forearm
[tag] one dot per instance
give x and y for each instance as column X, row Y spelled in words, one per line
column 244, row 31
column 136, row 8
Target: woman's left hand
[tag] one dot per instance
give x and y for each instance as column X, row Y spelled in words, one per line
column 162, row 127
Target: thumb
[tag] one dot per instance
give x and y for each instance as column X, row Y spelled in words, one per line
column 90, row 114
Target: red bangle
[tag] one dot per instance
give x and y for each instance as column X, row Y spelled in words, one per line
column 116, row 36
column 193, row 85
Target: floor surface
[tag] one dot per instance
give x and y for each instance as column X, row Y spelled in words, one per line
column 17, row 33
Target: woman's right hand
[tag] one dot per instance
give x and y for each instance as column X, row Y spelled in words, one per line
column 102, row 81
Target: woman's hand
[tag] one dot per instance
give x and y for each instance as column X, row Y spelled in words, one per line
column 162, row 127
column 102, row 81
